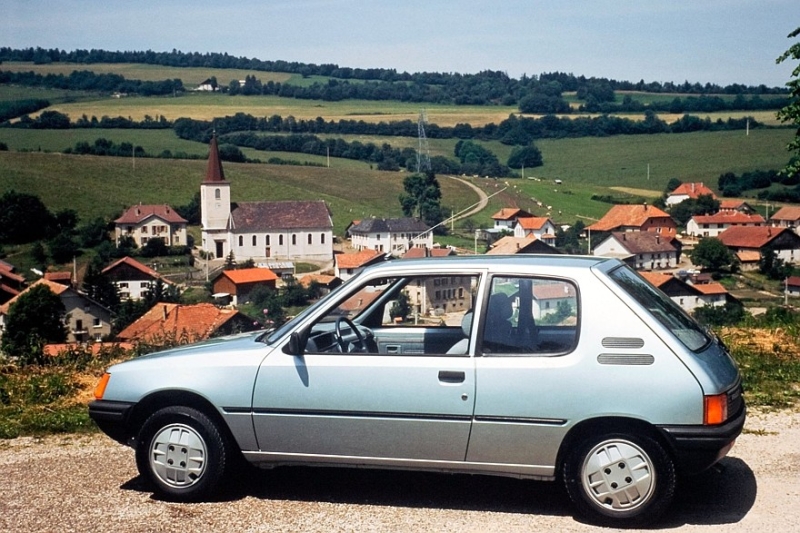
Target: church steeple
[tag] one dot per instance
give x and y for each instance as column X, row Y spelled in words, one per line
column 214, row 173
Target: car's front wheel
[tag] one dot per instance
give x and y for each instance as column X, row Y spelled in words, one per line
column 183, row 453
column 620, row 479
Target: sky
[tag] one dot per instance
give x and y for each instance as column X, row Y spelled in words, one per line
column 716, row 41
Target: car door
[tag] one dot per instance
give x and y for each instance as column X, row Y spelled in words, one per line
column 326, row 405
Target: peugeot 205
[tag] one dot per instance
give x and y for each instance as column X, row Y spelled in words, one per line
column 544, row 367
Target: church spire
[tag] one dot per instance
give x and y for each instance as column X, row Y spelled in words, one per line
column 214, row 171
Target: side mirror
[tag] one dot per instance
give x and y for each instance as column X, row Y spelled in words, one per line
column 295, row 345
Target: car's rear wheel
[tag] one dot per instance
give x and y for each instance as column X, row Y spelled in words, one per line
column 620, row 480
column 183, row 453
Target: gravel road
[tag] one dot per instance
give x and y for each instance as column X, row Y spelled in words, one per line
column 89, row 483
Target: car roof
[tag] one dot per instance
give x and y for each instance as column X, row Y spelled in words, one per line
column 495, row 262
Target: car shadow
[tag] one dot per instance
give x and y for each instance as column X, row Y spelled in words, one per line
column 721, row 495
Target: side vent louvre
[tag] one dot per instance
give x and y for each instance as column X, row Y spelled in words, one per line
column 625, row 359
column 623, row 342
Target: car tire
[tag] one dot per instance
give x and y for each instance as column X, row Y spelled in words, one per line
column 620, row 480
column 183, row 453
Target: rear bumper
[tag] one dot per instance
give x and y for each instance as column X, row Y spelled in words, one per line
column 112, row 418
column 699, row 447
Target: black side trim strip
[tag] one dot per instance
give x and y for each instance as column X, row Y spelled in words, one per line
column 522, row 420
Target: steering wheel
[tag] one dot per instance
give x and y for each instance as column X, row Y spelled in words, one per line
column 340, row 338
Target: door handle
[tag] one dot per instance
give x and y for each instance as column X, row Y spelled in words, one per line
column 452, row 376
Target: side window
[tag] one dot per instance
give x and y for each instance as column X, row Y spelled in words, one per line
column 530, row 316
column 414, row 315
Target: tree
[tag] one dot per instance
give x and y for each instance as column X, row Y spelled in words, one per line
column 422, row 198
column 525, row 156
column 98, row 287
column 401, row 308
column 63, row 248
column 23, row 218
column 35, row 319
column 154, row 247
column 791, row 112
column 712, row 254
column 773, row 266
column 673, row 184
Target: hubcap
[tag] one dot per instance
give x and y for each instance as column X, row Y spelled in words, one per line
column 178, row 455
column 618, row 476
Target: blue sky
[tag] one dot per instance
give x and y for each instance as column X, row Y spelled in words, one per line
column 718, row 41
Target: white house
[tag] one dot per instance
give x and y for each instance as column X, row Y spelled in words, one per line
column 295, row 230
column 713, row 225
column 390, row 235
column 348, row 265
column 145, row 222
column 507, row 218
column 686, row 191
column 540, row 227
column 132, row 278
column 642, row 250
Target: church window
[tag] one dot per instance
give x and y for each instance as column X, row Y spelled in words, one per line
column 241, row 240
column 254, row 240
column 309, row 238
column 267, row 240
column 216, row 194
column 294, row 239
column 322, row 238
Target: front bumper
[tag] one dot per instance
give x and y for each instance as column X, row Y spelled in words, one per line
column 112, row 418
column 699, row 447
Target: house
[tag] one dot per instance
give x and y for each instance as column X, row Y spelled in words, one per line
column 240, row 283
column 293, row 230
column 685, row 191
column 132, row 278
column 348, row 265
column 634, row 217
column 540, row 227
column 11, row 283
column 326, row 283
column 793, row 285
column 85, row 319
column 63, row 277
column 547, row 298
column 207, row 85
column 507, row 218
column 145, row 222
column 438, row 295
column 509, row 245
column 785, row 242
column 392, row 235
column 420, row 252
column 713, row 225
column 642, row 250
column 728, row 205
column 168, row 323
column 787, row 217
column 689, row 297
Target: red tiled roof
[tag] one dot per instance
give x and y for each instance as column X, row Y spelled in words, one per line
column 732, row 204
column 133, row 263
column 733, row 218
column 790, row 213
column 192, row 322
column 749, row 236
column 214, row 173
column 322, row 279
column 794, row 281
column 711, row 288
column 419, row 252
column 510, row 245
column 139, row 213
column 52, row 350
column 628, row 216
column 508, row 213
column 6, row 273
column 553, row 291
column 58, row 276
column 692, row 190
column 56, row 288
column 748, row 256
column 250, row 275
column 638, row 242
column 657, row 278
column 533, row 222
column 358, row 259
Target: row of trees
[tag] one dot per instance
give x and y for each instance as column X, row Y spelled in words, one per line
column 86, row 80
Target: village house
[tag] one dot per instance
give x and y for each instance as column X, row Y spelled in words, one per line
column 419, row 252
column 85, row 319
column 728, row 205
column 11, row 283
column 787, row 217
column 689, row 297
column 636, row 217
column 547, row 297
column 713, row 225
column 132, row 278
column 793, row 285
column 168, row 323
column 325, row 282
column 746, row 241
column 509, row 245
column 686, row 191
column 348, row 265
column 507, row 218
column 294, row 230
column 541, row 228
column 641, row 250
column 391, row 235
column 238, row 284
column 145, row 222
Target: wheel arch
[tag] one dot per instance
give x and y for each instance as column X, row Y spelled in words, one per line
column 169, row 398
column 606, row 425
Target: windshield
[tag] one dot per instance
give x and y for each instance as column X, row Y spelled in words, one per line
column 663, row 309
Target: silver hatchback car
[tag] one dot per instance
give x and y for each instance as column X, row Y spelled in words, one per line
column 541, row 367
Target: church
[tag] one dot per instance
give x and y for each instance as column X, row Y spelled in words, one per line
column 295, row 230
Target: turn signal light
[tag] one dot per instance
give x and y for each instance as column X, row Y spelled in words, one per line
column 100, row 389
column 715, row 410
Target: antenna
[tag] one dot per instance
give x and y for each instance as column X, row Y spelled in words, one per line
column 423, row 153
